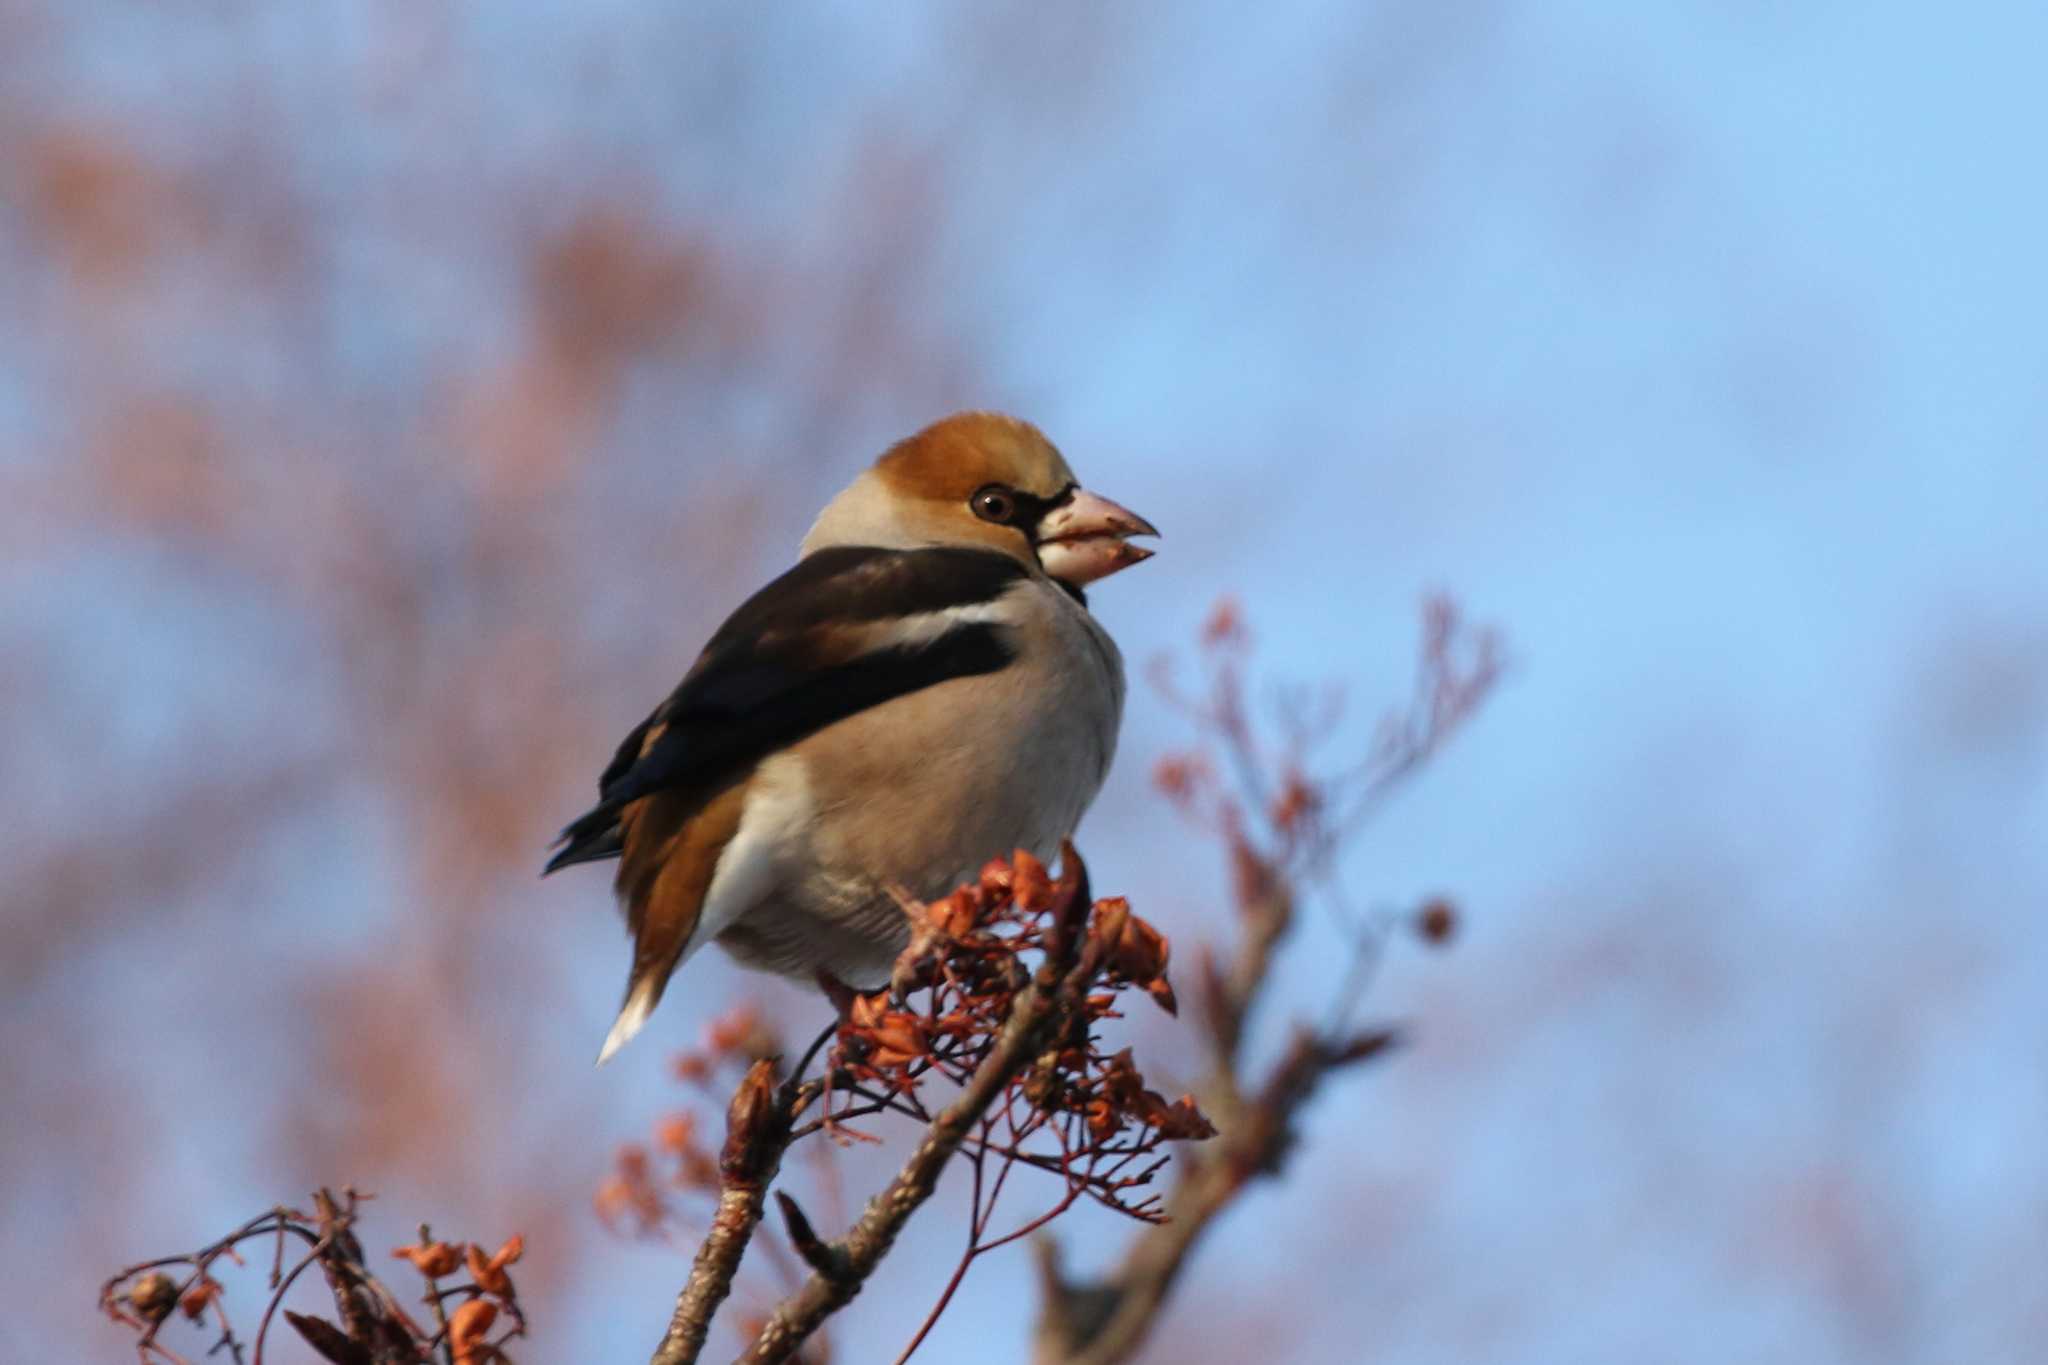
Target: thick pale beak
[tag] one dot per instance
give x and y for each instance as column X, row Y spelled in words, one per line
column 1083, row 539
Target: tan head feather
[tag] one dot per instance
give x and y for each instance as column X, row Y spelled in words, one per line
column 918, row 492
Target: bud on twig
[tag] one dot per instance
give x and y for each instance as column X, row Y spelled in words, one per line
column 805, row 1239
column 1436, row 922
column 1068, row 898
column 749, row 1122
column 330, row 1341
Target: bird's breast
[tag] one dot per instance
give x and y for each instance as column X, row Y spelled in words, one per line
column 927, row 787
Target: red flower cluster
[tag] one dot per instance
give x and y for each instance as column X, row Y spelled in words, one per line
column 1000, row 994
column 489, row 1292
column 1077, row 1110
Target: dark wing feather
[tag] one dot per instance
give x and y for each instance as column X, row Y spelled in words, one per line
column 797, row 656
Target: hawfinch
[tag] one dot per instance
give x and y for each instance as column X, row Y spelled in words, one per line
column 924, row 691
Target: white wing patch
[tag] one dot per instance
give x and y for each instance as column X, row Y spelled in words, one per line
column 927, row 627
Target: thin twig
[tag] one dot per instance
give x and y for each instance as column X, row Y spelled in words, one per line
column 975, row 1220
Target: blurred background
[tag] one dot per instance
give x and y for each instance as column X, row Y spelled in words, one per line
column 394, row 395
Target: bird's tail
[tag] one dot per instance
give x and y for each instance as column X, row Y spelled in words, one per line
column 591, row 837
column 641, row 998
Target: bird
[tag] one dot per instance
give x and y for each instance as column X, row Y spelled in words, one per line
column 924, row 690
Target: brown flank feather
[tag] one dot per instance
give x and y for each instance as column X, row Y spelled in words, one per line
column 672, row 842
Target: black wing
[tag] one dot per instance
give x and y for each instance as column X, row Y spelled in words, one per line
column 846, row 629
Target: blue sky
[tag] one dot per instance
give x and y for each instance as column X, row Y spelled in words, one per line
column 1699, row 347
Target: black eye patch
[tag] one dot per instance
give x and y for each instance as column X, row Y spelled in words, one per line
column 1032, row 510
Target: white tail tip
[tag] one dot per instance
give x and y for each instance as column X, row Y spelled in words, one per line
column 632, row 1016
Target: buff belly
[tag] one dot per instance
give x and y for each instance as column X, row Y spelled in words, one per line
column 828, row 908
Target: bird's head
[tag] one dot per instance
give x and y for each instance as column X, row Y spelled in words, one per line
column 984, row 480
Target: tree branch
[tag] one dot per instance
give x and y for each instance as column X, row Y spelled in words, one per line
column 1037, row 1014
column 757, row 1127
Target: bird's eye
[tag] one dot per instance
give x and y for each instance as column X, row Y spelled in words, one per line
column 994, row 503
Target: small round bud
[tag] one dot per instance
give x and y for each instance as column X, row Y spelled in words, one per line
column 154, row 1296
column 1436, row 923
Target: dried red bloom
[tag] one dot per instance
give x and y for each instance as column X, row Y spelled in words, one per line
column 1137, row 952
column 1174, row 775
column 196, row 1299
column 630, row 1191
column 432, row 1259
column 1132, row 950
column 489, row 1278
column 1182, row 1121
column 956, row 915
column 1104, row 1119
column 866, row 1011
column 613, row 1199
column 900, row 1034
column 676, row 1134
column 1225, row 625
column 1120, row 1078
column 1106, row 922
column 1031, row 883
column 1120, row 1099
column 489, row 1270
column 466, row 1328
column 743, row 1033
column 878, row 1038
column 996, row 881
column 726, row 1031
